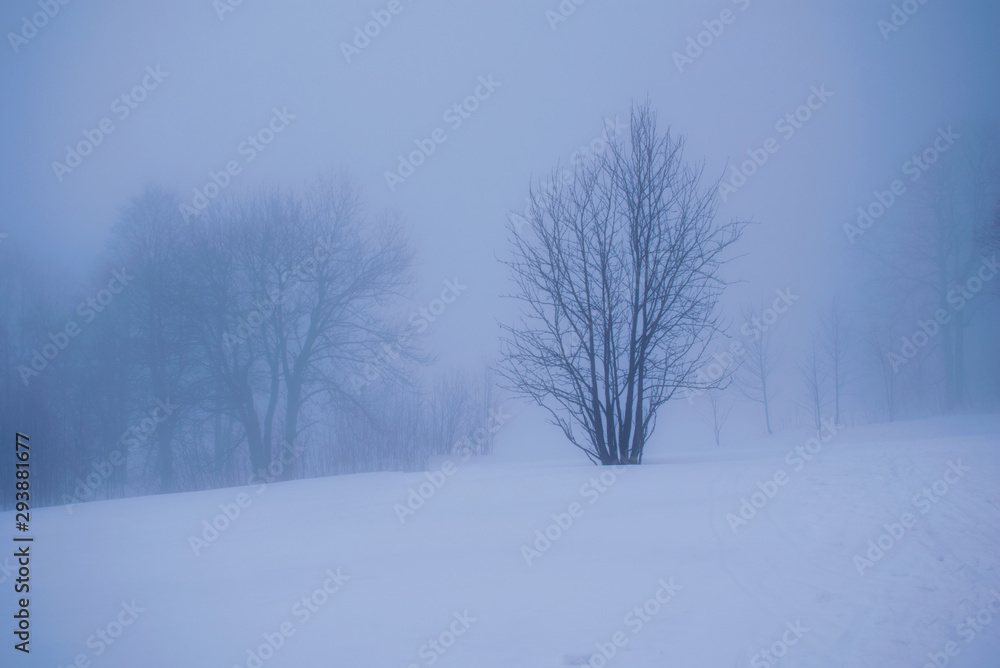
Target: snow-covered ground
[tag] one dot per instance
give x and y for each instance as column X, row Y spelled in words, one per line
column 646, row 567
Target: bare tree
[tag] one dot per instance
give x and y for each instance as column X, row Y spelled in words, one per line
column 618, row 273
column 758, row 364
column 880, row 343
column 349, row 278
column 242, row 374
column 814, row 378
column 940, row 246
column 835, row 333
column 450, row 413
column 32, row 398
column 487, row 406
column 478, row 421
column 146, row 253
column 718, row 412
column 297, row 291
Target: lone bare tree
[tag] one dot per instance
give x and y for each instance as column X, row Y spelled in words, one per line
column 618, row 271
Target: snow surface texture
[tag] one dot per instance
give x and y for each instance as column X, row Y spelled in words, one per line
column 796, row 579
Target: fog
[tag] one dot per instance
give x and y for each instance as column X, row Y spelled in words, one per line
column 213, row 149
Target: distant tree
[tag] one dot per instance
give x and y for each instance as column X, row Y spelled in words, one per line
column 241, row 373
column 718, row 412
column 940, row 247
column 880, row 343
column 108, row 415
column 758, row 365
column 297, row 290
column 834, row 337
column 450, row 412
column 146, row 265
column 31, row 392
column 401, row 426
column 467, row 401
column 814, row 378
column 618, row 271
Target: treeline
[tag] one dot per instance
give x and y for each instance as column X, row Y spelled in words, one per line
column 266, row 339
column 913, row 328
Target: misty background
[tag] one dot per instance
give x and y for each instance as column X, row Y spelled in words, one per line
column 558, row 86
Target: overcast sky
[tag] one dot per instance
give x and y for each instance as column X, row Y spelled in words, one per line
column 554, row 83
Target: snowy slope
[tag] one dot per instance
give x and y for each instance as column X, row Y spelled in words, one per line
column 456, row 571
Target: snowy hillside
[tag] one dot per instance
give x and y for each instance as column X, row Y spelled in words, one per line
column 315, row 316
column 503, row 564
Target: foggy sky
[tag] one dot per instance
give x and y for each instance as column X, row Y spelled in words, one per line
column 556, row 85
